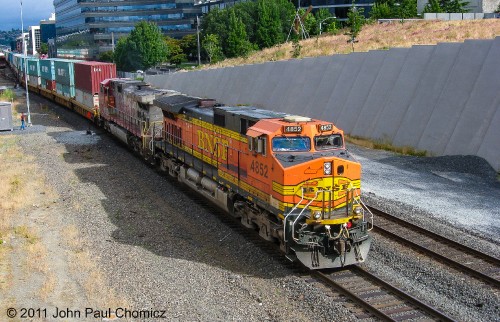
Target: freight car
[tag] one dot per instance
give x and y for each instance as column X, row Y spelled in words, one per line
column 289, row 177
column 3, row 60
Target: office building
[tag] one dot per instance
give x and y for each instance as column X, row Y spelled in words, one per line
column 20, row 43
column 86, row 28
column 48, row 29
column 33, row 40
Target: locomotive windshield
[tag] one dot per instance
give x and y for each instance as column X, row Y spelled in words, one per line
column 326, row 142
column 291, row 144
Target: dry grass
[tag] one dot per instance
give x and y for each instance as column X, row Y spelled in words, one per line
column 81, row 261
column 378, row 37
column 48, row 286
column 385, row 145
column 18, row 171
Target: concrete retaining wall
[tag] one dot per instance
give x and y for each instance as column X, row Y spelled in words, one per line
column 444, row 99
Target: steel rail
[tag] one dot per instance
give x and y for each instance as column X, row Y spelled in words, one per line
column 448, row 242
column 400, row 294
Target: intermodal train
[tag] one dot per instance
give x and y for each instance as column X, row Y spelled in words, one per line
column 289, row 177
column 3, row 61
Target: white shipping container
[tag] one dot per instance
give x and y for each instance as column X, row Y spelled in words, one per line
column 34, row 80
column 86, row 98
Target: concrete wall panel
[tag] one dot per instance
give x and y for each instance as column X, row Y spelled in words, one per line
column 337, row 102
column 306, row 81
column 274, row 73
column 490, row 146
column 389, row 120
column 295, row 78
column 282, row 78
column 365, row 79
column 320, row 96
column 431, row 83
column 480, row 108
column 380, row 91
column 461, row 79
column 252, row 75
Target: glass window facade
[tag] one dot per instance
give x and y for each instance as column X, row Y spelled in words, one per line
column 95, row 24
column 340, row 8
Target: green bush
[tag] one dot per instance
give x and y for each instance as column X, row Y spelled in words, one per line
column 7, row 95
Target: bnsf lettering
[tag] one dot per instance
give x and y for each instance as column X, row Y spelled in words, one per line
column 208, row 142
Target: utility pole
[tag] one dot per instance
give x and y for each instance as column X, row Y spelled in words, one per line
column 198, row 39
column 25, row 53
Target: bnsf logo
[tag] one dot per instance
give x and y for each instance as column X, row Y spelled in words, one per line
column 209, row 141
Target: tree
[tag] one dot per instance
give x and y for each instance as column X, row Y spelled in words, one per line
column 125, row 59
column 189, row 46
column 381, row 11
column 328, row 22
column 237, row 41
column 175, row 54
column 211, row 45
column 263, row 28
column 106, row 56
column 44, row 49
column 449, row 6
column 269, row 29
column 215, row 22
column 142, row 49
column 355, row 21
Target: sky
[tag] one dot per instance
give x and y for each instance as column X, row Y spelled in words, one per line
column 33, row 12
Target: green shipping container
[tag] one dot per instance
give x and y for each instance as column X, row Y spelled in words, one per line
column 47, row 70
column 65, row 90
column 65, row 71
column 34, row 67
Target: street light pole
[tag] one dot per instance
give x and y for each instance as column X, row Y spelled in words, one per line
column 400, row 11
column 198, row 39
column 321, row 22
column 25, row 66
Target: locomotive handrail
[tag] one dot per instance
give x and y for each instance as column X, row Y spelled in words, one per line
column 360, row 202
column 295, row 207
column 303, row 209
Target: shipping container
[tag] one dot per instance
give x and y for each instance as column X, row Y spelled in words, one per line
column 47, row 70
column 48, row 84
column 34, row 67
column 90, row 74
column 22, row 62
column 65, row 71
column 34, row 80
column 65, row 90
column 86, row 98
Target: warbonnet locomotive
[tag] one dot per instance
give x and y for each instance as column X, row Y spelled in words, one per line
column 288, row 176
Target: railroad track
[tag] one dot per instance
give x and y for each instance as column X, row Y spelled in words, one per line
column 447, row 251
column 377, row 297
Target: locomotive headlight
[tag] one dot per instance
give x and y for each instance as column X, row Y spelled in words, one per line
column 358, row 210
column 317, row 214
column 327, row 168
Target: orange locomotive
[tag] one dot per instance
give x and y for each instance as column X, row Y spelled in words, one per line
column 288, row 176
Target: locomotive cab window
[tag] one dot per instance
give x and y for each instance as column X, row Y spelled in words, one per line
column 326, row 142
column 258, row 144
column 291, row 144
